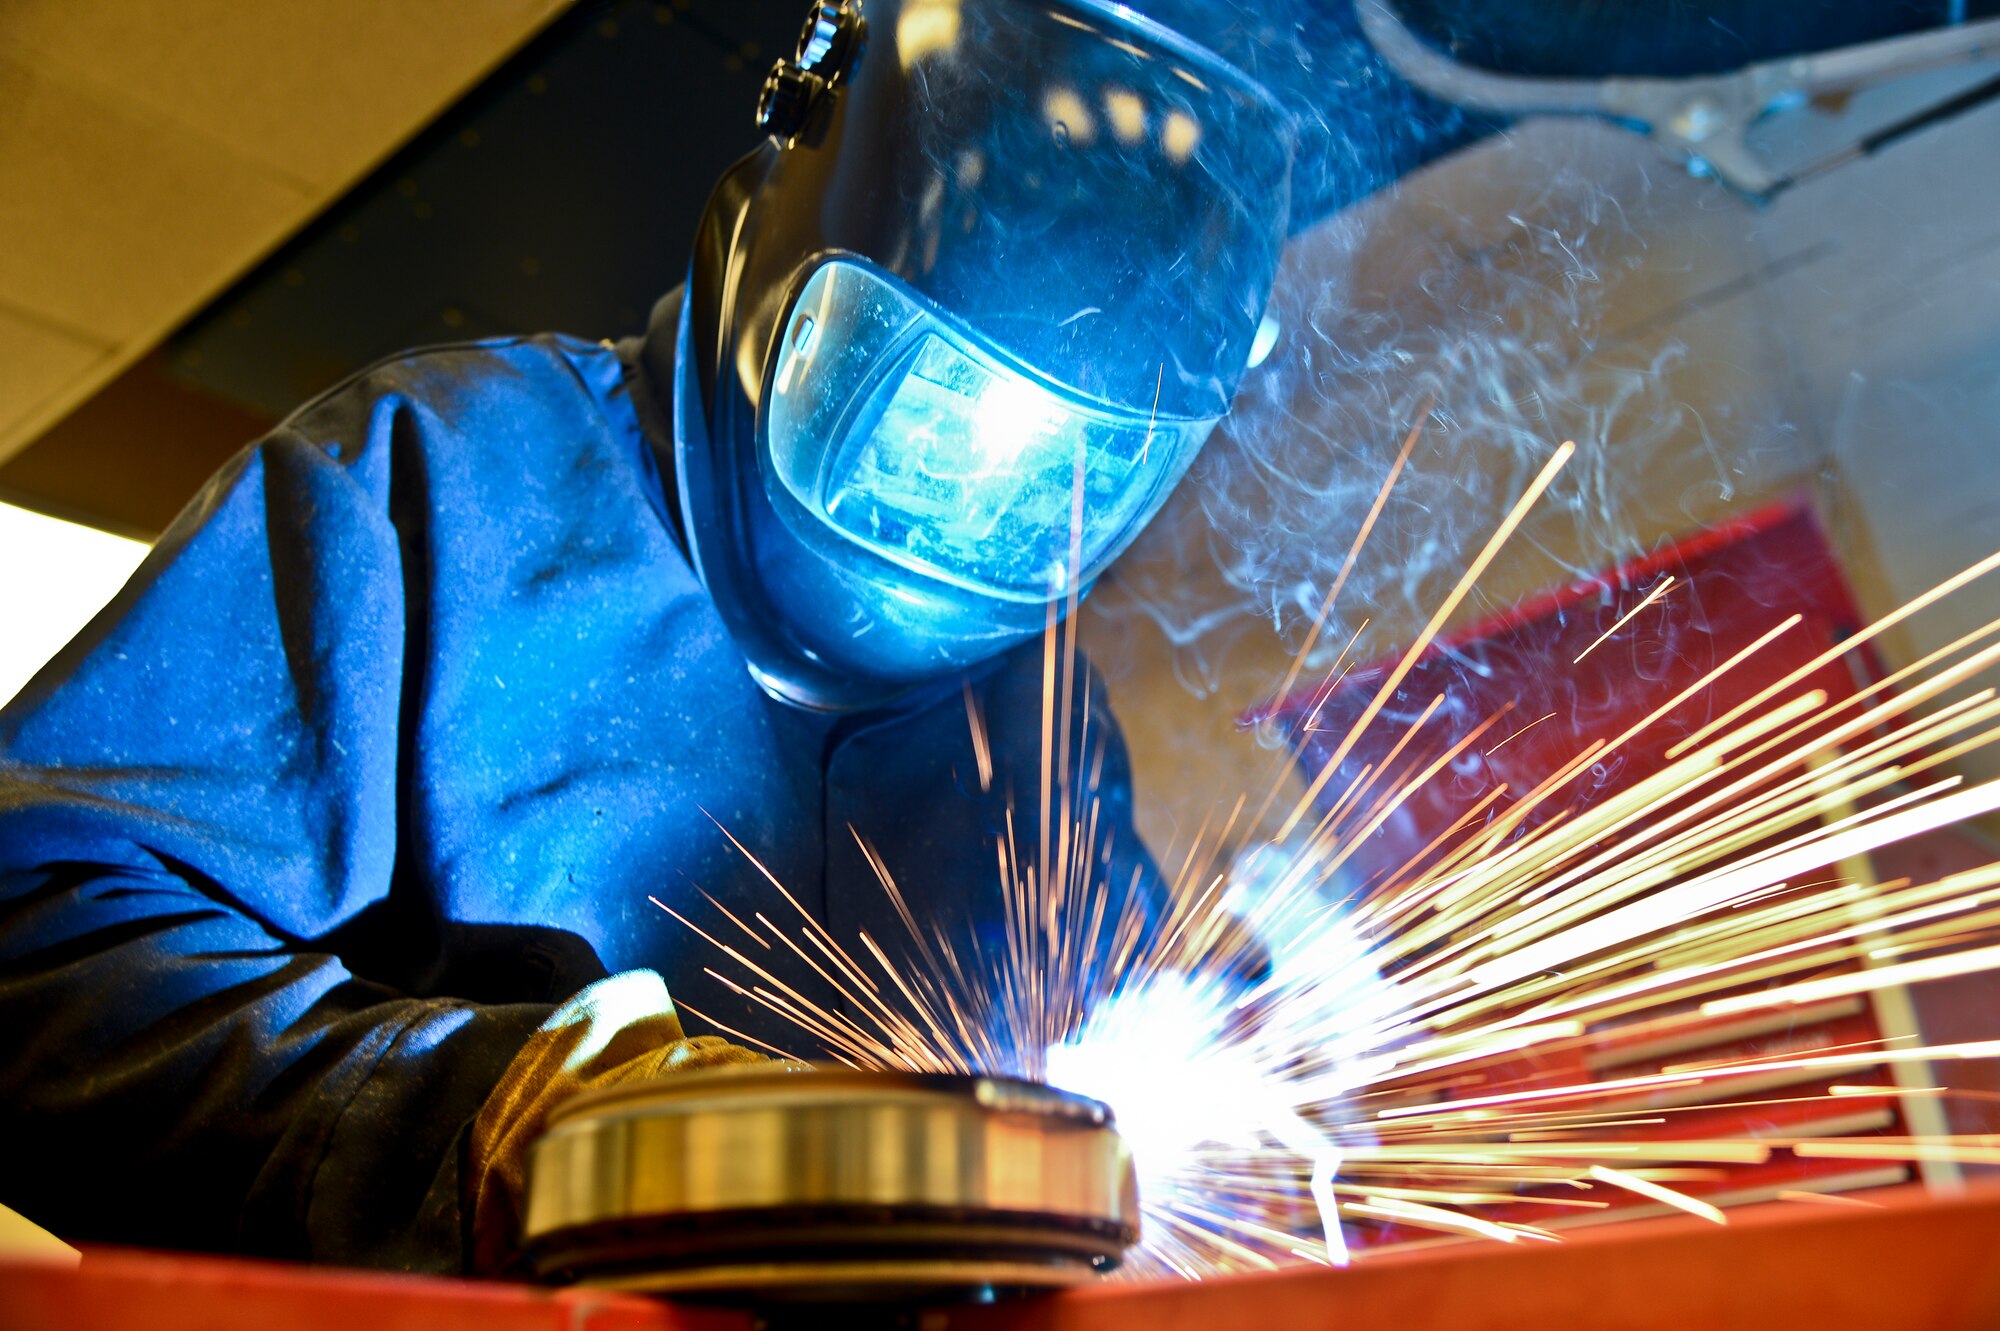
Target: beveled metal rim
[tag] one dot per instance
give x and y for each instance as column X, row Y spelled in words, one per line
column 776, row 1083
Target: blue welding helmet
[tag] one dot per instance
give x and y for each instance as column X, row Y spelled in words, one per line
column 953, row 332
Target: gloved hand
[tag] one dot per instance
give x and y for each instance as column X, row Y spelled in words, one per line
column 622, row 1028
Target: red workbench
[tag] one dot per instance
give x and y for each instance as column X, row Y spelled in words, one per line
column 1902, row 1261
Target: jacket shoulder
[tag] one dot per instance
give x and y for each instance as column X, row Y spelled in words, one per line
column 506, row 381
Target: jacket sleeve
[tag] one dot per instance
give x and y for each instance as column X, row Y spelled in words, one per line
column 963, row 830
column 193, row 795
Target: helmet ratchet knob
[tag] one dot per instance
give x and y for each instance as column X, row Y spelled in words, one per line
column 787, row 99
column 827, row 39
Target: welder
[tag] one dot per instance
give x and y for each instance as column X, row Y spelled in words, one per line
column 334, row 851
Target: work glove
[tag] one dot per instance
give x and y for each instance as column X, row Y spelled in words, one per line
column 622, row 1028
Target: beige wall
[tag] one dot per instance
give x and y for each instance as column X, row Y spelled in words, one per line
column 152, row 152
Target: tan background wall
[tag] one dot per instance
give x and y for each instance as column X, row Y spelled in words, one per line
column 151, row 153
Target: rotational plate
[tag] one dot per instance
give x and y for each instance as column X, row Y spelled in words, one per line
column 766, row 1182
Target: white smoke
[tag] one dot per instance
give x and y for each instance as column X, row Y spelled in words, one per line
column 1528, row 291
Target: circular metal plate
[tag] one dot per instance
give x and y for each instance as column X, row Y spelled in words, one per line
column 766, row 1182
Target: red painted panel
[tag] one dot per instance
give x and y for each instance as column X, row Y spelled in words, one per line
column 1520, row 671
column 1731, row 585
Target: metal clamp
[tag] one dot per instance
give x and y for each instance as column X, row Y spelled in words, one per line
column 1705, row 121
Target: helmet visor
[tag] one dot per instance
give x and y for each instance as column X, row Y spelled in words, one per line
column 902, row 431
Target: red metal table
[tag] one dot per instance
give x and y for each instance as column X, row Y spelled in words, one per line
column 1907, row 1261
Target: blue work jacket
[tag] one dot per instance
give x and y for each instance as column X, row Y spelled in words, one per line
column 383, row 752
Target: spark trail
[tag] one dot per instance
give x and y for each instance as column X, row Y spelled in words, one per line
column 1390, row 1069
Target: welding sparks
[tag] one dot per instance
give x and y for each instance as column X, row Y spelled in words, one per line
column 1518, row 733
column 1618, row 1178
column 1626, row 618
column 1422, row 1051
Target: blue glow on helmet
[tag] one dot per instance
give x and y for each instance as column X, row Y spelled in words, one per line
column 951, row 339
column 902, row 433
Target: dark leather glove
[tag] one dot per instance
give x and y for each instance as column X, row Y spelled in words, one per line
column 622, row 1028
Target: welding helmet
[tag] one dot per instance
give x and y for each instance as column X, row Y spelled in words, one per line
column 953, row 332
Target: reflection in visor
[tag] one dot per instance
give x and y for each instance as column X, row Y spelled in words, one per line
column 973, row 473
column 896, row 430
